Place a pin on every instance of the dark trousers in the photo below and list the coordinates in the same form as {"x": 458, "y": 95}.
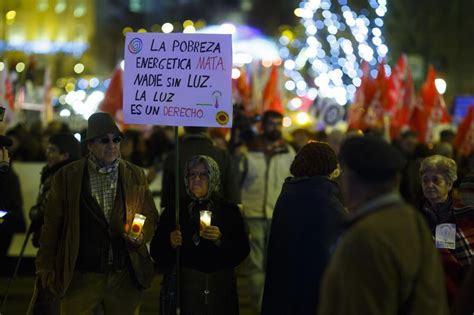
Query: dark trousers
{"x": 116, "y": 292}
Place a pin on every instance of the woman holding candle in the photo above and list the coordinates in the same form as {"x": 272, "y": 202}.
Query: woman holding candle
{"x": 212, "y": 240}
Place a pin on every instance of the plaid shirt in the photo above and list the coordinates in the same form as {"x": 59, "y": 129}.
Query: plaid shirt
{"x": 103, "y": 182}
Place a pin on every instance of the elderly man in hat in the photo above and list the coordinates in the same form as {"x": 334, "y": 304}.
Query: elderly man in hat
{"x": 385, "y": 262}
{"x": 87, "y": 255}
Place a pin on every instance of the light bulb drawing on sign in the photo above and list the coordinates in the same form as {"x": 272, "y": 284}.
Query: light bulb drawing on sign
{"x": 217, "y": 95}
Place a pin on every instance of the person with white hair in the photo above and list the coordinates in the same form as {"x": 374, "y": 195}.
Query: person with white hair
{"x": 451, "y": 221}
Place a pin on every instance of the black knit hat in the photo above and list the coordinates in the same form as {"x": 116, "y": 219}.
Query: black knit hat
{"x": 371, "y": 158}
{"x": 66, "y": 143}
{"x": 101, "y": 124}
{"x": 314, "y": 158}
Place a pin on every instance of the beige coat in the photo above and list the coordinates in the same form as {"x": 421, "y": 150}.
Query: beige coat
{"x": 59, "y": 243}
{"x": 385, "y": 264}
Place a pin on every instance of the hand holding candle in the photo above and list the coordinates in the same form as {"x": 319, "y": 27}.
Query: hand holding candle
{"x": 137, "y": 226}
{"x": 205, "y": 217}
{"x": 208, "y": 231}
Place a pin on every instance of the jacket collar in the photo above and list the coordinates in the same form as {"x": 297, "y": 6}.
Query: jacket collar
{"x": 376, "y": 204}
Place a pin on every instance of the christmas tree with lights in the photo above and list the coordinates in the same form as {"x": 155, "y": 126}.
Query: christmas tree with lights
{"x": 323, "y": 56}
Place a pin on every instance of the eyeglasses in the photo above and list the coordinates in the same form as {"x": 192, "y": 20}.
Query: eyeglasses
{"x": 106, "y": 140}
{"x": 200, "y": 175}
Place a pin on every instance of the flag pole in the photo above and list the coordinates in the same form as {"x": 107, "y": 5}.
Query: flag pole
{"x": 176, "y": 209}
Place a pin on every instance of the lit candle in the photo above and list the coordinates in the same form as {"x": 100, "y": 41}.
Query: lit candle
{"x": 205, "y": 216}
{"x": 137, "y": 225}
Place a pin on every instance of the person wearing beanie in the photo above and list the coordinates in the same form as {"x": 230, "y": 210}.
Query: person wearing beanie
{"x": 306, "y": 223}
{"x": 89, "y": 254}
{"x": 385, "y": 261}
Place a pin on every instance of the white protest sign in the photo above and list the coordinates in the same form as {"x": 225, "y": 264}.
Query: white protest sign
{"x": 178, "y": 79}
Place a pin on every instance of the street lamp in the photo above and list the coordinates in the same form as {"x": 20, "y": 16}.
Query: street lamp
{"x": 440, "y": 85}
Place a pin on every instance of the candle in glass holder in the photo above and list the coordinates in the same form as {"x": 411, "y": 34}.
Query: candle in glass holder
{"x": 205, "y": 217}
{"x": 137, "y": 225}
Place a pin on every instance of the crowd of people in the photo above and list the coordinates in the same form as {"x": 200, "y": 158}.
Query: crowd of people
{"x": 338, "y": 223}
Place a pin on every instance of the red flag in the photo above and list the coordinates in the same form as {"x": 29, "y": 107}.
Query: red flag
{"x": 405, "y": 101}
{"x": 395, "y": 88}
{"x": 271, "y": 93}
{"x": 113, "y": 98}
{"x": 431, "y": 109}
{"x": 374, "y": 116}
{"x": 464, "y": 141}
{"x": 244, "y": 89}
{"x": 363, "y": 95}
{"x": 9, "y": 96}
{"x": 428, "y": 89}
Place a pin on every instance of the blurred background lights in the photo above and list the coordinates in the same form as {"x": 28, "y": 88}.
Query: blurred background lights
{"x": 20, "y": 67}
{"x": 228, "y": 28}
{"x": 189, "y": 29}
{"x": 2, "y": 66}
{"x": 235, "y": 73}
{"x": 78, "y": 68}
{"x": 295, "y": 103}
{"x": 10, "y": 15}
{"x": 267, "y": 63}
{"x": 440, "y": 85}
{"x": 287, "y": 122}
{"x": 94, "y": 82}
{"x": 290, "y": 85}
{"x": 69, "y": 87}
{"x": 127, "y": 30}
{"x": 83, "y": 84}
{"x": 167, "y": 28}
{"x": 188, "y": 23}
{"x": 336, "y": 40}
{"x": 60, "y": 7}
{"x": 302, "y": 118}
{"x": 65, "y": 113}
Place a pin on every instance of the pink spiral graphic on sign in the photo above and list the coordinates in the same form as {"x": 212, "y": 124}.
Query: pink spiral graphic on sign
{"x": 135, "y": 45}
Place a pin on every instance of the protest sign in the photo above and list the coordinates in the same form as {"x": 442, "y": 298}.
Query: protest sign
{"x": 178, "y": 79}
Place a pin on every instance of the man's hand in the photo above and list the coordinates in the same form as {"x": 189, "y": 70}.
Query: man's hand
{"x": 176, "y": 239}
{"x": 133, "y": 242}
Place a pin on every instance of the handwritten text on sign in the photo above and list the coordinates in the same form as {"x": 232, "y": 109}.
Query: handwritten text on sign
{"x": 178, "y": 79}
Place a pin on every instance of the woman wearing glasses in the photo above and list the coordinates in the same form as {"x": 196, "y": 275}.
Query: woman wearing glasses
{"x": 212, "y": 241}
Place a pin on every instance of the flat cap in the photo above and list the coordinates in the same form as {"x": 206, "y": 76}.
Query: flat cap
{"x": 371, "y": 158}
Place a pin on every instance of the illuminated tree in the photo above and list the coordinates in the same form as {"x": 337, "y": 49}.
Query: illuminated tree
{"x": 324, "y": 57}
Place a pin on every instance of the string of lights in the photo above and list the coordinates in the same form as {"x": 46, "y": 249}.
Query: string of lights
{"x": 326, "y": 60}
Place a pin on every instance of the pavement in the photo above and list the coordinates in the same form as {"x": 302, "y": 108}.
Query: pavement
{"x": 22, "y": 289}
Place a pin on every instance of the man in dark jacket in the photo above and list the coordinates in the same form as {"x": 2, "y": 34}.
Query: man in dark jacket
{"x": 306, "y": 223}
{"x": 197, "y": 142}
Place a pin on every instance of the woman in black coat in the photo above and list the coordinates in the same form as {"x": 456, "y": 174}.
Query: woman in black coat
{"x": 208, "y": 253}
{"x": 306, "y": 223}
